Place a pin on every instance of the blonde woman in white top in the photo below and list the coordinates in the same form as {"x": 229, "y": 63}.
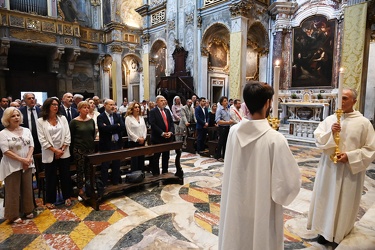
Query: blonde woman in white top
{"x": 137, "y": 131}
{"x": 16, "y": 166}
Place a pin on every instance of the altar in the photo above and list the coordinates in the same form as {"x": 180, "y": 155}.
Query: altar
{"x": 303, "y": 117}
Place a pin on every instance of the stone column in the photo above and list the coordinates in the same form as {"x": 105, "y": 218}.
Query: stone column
{"x": 105, "y": 84}
{"x": 96, "y": 15}
{"x": 146, "y": 66}
{"x": 202, "y": 73}
{"x": 116, "y": 74}
{"x": 238, "y": 44}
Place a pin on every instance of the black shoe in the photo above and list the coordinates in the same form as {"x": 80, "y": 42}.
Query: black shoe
{"x": 321, "y": 240}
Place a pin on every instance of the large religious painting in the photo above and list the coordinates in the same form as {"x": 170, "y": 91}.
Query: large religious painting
{"x": 313, "y": 52}
{"x": 218, "y": 53}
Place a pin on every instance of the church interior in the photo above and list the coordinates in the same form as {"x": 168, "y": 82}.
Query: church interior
{"x": 138, "y": 49}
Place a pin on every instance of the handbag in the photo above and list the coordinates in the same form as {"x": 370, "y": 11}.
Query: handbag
{"x": 135, "y": 177}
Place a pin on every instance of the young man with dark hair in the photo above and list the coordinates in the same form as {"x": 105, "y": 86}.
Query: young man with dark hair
{"x": 201, "y": 115}
{"x": 260, "y": 177}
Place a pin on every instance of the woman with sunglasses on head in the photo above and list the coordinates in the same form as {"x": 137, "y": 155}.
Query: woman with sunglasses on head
{"x": 17, "y": 166}
{"x": 137, "y": 131}
{"x": 54, "y": 137}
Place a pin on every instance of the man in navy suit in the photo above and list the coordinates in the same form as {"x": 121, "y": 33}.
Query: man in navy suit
{"x": 66, "y": 108}
{"x": 3, "y": 106}
{"x": 162, "y": 130}
{"x": 110, "y": 127}
{"x": 201, "y": 114}
{"x": 30, "y": 114}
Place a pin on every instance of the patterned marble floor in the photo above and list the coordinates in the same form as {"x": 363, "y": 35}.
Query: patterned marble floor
{"x": 177, "y": 216}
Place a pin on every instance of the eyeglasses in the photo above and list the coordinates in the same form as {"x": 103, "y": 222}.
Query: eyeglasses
{"x": 54, "y": 104}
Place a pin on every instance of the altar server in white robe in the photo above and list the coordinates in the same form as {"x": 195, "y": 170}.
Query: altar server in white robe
{"x": 338, "y": 187}
{"x": 260, "y": 176}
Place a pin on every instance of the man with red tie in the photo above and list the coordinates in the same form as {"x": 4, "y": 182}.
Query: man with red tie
{"x": 162, "y": 130}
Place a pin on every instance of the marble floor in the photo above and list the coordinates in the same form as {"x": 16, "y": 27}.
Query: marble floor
{"x": 177, "y": 216}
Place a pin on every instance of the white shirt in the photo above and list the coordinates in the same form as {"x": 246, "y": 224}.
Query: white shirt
{"x": 134, "y": 128}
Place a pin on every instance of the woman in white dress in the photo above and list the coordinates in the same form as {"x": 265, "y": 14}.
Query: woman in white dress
{"x": 17, "y": 166}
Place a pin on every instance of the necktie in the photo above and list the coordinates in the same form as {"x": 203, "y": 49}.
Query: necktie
{"x": 165, "y": 120}
{"x": 114, "y": 136}
{"x": 68, "y": 115}
{"x": 33, "y": 124}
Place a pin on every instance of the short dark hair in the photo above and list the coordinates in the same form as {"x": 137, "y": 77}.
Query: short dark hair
{"x": 47, "y": 105}
{"x": 256, "y": 94}
{"x": 236, "y": 101}
{"x": 222, "y": 99}
{"x": 202, "y": 98}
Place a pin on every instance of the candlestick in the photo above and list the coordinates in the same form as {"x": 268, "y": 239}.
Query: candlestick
{"x": 276, "y": 81}
{"x": 340, "y": 88}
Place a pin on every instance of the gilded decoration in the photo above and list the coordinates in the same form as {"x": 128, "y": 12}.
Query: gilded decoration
{"x": 95, "y": 2}
{"x": 88, "y": 45}
{"x": 32, "y": 36}
{"x": 68, "y": 30}
{"x": 146, "y": 38}
{"x": 68, "y": 41}
{"x": 204, "y": 51}
{"x": 33, "y": 24}
{"x": 116, "y": 49}
{"x": 199, "y": 21}
{"x": 48, "y": 27}
{"x": 17, "y": 21}
{"x": 240, "y": 9}
{"x": 189, "y": 18}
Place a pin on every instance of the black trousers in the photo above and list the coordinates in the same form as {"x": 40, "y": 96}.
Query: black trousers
{"x": 222, "y": 144}
{"x": 137, "y": 163}
{"x": 114, "y": 165}
{"x": 63, "y": 165}
{"x": 201, "y": 140}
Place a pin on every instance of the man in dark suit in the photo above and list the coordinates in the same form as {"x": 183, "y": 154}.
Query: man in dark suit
{"x": 162, "y": 130}
{"x": 110, "y": 127}
{"x": 201, "y": 114}
{"x": 30, "y": 114}
{"x": 3, "y": 106}
{"x": 66, "y": 108}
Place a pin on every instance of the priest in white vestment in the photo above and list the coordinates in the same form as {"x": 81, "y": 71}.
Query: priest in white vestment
{"x": 260, "y": 176}
{"x": 338, "y": 187}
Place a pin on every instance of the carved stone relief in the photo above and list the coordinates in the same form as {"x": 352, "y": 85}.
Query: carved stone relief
{"x": 189, "y": 45}
{"x": 82, "y": 82}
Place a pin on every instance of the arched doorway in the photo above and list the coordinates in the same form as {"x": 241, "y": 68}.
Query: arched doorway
{"x": 131, "y": 68}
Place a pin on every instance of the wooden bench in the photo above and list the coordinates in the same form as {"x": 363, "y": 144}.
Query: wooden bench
{"x": 98, "y": 158}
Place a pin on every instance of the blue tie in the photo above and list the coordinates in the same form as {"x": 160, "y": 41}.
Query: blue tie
{"x": 114, "y": 136}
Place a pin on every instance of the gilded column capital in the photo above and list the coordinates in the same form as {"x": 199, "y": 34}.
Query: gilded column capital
{"x": 116, "y": 48}
{"x": 95, "y": 2}
{"x": 241, "y": 8}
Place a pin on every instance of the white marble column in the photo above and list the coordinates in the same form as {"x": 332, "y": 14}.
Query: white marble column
{"x": 52, "y": 8}
{"x": 105, "y": 84}
{"x": 203, "y": 81}
{"x": 116, "y": 78}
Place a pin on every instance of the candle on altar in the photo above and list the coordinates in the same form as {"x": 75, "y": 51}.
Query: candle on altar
{"x": 340, "y": 88}
{"x": 276, "y": 81}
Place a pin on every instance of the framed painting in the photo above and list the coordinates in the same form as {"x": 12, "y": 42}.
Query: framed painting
{"x": 313, "y": 52}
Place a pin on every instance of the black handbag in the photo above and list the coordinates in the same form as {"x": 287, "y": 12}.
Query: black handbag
{"x": 135, "y": 177}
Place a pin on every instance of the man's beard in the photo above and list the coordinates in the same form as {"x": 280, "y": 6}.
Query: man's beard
{"x": 268, "y": 111}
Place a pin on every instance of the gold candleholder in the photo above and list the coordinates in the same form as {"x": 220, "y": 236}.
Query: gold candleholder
{"x": 274, "y": 123}
{"x": 336, "y": 137}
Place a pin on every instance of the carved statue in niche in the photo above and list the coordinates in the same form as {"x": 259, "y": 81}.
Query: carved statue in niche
{"x": 218, "y": 53}
{"x": 73, "y": 13}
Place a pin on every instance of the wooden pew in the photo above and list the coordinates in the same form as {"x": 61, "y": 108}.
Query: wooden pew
{"x": 98, "y": 158}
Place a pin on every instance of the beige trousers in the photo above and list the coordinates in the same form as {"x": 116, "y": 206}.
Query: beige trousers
{"x": 18, "y": 194}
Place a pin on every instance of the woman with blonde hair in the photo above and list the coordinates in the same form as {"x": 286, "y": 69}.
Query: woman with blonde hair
{"x": 137, "y": 131}
{"x": 176, "y": 115}
{"x": 82, "y": 130}
{"x": 54, "y": 137}
{"x": 17, "y": 166}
